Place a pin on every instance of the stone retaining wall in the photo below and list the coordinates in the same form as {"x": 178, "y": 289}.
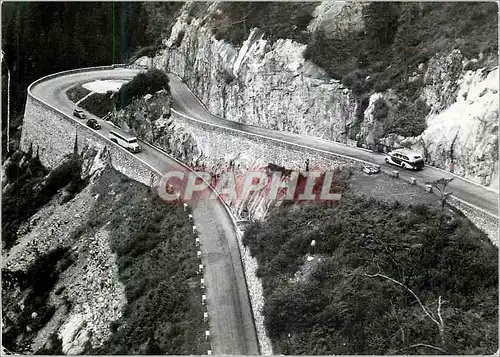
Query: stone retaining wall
{"x": 485, "y": 221}
{"x": 218, "y": 142}
{"x": 53, "y": 136}
{"x": 482, "y": 220}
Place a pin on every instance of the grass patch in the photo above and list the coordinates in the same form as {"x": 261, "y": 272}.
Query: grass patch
{"x": 76, "y": 93}
{"x": 335, "y": 308}
{"x": 163, "y": 312}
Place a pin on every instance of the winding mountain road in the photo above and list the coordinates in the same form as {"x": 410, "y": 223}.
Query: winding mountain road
{"x": 231, "y": 323}
{"x": 232, "y": 328}
{"x": 186, "y": 103}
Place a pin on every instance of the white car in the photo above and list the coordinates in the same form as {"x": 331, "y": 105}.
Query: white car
{"x": 127, "y": 141}
{"x": 407, "y": 159}
{"x": 370, "y": 170}
{"x": 79, "y": 113}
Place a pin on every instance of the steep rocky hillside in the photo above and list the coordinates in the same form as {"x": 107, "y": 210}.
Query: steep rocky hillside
{"x": 368, "y": 277}
{"x": 372, "y": 75}
{"x": 79, "y": 272}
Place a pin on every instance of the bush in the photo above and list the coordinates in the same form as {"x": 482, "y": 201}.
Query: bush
{"x": 409, "y": 119}
{"x": 335, "y": 308}
{"x": 98, "y": 104}
{"x": 356, "y": 82}
{"x": 142, "y": 84}
{"x": 76, "y": 93}
{"x": 381, "y": 85}
{"x": 337, "y": 56}
{"x": 178, "y": 40}
{"x": 380, "y": 109}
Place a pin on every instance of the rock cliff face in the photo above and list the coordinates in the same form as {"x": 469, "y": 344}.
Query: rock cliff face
{"x": 264, "y": 84}
{"x": 88, "y": 296}
{"x": 463, "y": 137}
{"x": 462, "y": 126}
{"x": 272, "y": 85}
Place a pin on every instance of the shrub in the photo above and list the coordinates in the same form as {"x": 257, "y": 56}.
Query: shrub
{"x": 356, "y": 82}
{"x": 76, "y": 93}
{"x": 381, "y": 85}
{"x": 335, "y": 308}
{"x": 99, "y": 104}
{"x": 409, "y": 118}
{"x": 380, "y": 109}
{"x": 178, "y": 40}
{"x": 142, "y": 84}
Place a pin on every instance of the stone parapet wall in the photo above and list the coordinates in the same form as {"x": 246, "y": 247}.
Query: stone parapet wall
{"x": 52, "y": 135}
{"x": 218, "y": 142}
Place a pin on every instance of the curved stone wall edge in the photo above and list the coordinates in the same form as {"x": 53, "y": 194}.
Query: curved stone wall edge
{"x": 39, "y": 128}
{"x": 273, "y": 140}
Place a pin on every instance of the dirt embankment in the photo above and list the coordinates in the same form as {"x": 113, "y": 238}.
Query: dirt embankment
{"x": 82, "y": 277}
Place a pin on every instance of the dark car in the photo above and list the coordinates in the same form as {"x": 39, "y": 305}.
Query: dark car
{"x": 93, "y": 124}
{"x": 79, "y": 113}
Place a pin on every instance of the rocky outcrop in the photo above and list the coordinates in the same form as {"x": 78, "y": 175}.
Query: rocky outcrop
{"x": 463, "y": 136}
{"x": 336, "y": 18}
{"x": 272, "y": 85}
{"x": 88, "y": 296}
{"x": 265, "y": 84}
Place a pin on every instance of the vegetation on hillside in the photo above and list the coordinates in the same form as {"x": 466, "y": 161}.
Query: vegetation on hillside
{"x": 276, "y": 19}
{"x": 35, "y": 285}
{"x": 163, "y": 312}
{"x": 76, "y": 93}
{"x": 99, "y": 104}
{"x": 391, "y": 280}
{"x": 396, "y": 39}
{"x": 142, "y": 84}
{"x": 31, "y": 186}
{"x": 40, "y": 38}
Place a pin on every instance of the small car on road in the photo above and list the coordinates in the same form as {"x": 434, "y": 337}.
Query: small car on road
{"x": 370, "y": 170}
{"x": 407, "y": 159}
{"x": 79, "y": 113}
{"x": 93, "y": 124}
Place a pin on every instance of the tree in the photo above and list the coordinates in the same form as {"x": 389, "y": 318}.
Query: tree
{"x": 441, "y": 185}
{"x": 381, "y": 22}
{"x": 434, "y": 317}
{"x": 407, "y": 36}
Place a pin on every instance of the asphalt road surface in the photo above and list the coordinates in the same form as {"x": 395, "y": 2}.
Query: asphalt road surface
{"x": 231, "y": 323}
{"x": 232, "y": 328}
{"x": 186, "y": 103}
